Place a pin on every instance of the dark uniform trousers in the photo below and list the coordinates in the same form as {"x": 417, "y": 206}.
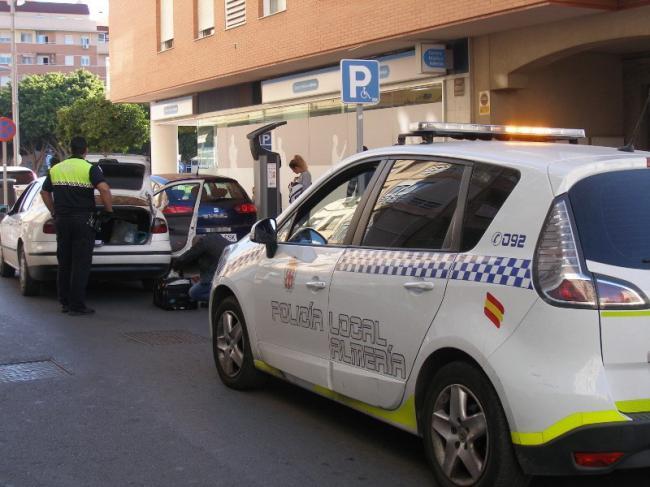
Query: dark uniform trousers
{"x": 75, "y": 242}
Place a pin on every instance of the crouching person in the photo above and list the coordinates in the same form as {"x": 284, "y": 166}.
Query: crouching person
{"x": 205, "y": 251}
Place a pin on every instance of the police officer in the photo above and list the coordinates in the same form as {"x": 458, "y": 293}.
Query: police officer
{"x": 69, "y": 194}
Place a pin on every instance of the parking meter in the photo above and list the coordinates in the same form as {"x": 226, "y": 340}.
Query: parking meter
{"x": 268, "y": 198}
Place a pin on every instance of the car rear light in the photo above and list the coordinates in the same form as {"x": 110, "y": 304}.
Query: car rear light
{"x": 49, "y": 227}
{"x": 178, "y": 210}
{"x": 597, "y": 460}
{"x": 617, "y": 294}
{"x": 159, "y": 226}
{"x": 246, "y": 208}
{"x": 559, "y": 274}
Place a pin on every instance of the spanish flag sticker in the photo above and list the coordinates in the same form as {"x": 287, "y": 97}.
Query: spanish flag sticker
{"x": 494, "y": 310}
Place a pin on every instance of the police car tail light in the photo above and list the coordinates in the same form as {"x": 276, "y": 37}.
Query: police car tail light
{"x": 159, "y": 226}
{"x": 616, "y": 294}
{"x": 49, "y": 228}
{"x": 559, "y": 274}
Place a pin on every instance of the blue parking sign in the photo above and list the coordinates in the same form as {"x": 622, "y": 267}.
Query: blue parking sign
{"x": 360, "y": 81}
{"x": 266, "y": 141}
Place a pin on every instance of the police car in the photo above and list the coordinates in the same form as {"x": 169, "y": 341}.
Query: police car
{"x": 489, "y": 295}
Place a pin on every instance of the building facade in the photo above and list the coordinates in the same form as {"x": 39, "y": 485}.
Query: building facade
{"x": 228, "y": 66}
{"x": 52, "y": 37}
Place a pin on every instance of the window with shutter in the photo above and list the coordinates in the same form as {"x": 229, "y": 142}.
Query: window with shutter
{"x": 166, "y": 24}
{"x": 205, "y": 18}
{"x": 235, "y": 13}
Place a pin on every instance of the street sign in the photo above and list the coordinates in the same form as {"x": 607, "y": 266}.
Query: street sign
{"x": 266, "y": 141}
{"x": 7, "y": 129}
{"x": 360, "y": 81}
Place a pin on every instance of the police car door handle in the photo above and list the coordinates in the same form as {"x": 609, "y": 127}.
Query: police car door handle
{"x": 419, "y": 286}
{"x": 316, "y": 285}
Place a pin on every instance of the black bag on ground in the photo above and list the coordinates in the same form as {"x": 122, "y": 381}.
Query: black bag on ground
{"x": 171, "y": 293}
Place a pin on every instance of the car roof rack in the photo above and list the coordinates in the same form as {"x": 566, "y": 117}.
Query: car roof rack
{"x": 427, "y": 131}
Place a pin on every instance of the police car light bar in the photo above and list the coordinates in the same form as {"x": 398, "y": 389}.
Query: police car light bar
{"x": 474, "y": 131}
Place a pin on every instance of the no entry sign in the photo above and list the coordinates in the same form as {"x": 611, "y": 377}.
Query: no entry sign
{"x": 7, "y": 129}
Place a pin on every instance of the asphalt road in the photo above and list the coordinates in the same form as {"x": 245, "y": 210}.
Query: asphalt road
{"x": 119, "y": 412}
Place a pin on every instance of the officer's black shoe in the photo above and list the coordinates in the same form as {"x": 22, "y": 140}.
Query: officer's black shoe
{"x": 65, "y": 308}
{"x": 82, "y": 311}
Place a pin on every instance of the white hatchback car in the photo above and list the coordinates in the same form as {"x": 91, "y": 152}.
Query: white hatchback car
{"x": 135, "y": 246}
{"x": 490, "y": 296}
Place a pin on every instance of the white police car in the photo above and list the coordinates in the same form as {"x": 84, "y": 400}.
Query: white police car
{"x": 490, "y": 296}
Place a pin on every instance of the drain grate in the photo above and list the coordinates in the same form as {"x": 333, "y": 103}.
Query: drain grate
{"x": 165, "y": 337}
{"x": 24, "y": 371}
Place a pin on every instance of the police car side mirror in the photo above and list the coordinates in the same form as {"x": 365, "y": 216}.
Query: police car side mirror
{"x": 266, "y": 232}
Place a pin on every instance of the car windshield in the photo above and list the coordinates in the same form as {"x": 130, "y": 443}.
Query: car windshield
{"x": 612, "y": 213}
{"x": 222, "y": 190}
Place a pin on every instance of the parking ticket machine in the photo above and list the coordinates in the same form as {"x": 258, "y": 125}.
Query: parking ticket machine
{"x": 268, "y": 198}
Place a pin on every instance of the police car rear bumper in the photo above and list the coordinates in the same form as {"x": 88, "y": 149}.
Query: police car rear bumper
{"x": 557, "y": 457}
{"x": 112, "y": 271}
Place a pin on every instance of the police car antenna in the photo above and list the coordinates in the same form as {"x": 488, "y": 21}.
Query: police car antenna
{"x": 629, "y": 147}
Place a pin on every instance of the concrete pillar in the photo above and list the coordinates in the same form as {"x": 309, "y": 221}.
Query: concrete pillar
{"x": 164, "y": 148}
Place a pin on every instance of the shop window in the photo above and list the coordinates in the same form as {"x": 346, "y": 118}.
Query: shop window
{"x": 166, "y": 24}
{"x": 204, "y": 18}
{"x": 235, "y": 13}
{"x": 270, "y": 7}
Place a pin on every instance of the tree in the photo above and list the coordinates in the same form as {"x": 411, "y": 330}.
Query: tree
{"x": 40, "y": 98}
{"x": 108, "y": 127}
{"x": 187, "y": 143}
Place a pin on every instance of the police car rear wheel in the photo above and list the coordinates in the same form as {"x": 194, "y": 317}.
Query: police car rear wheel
{"x": 466, "y": 434}
{"x": 28, "y": 286}
{"x": 231, "y": 347}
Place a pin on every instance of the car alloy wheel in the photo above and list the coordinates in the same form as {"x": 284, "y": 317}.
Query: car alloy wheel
{"x": 230, "y": 344}
{"x": 460, "y": 435}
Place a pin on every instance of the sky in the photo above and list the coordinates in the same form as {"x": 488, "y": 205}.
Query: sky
{"x": 98, "y": 8}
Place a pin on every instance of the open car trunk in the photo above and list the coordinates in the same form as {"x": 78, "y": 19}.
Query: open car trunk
{"x": 131, "y": 225}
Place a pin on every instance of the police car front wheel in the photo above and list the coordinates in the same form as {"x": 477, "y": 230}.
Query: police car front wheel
{"x": 231, "y": 347}
{"x": 466, "y": 434}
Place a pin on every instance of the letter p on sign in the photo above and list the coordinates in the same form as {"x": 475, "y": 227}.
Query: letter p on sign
{"x": 360, "y": 81}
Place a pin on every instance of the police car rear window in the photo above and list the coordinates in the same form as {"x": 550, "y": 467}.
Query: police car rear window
{"x": 489, "y": 188}
{"x": 612, "y": 213}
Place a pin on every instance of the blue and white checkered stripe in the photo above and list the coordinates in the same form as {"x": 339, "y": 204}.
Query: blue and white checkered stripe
{"x": 397, "y": 263}
{"x": 505, "y": 271}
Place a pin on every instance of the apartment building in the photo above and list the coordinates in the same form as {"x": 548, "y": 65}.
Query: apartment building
{"x": 228, "y": 66}
{"x": 52, "y": 37}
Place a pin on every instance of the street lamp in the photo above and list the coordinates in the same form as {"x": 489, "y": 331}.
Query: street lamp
{"x": 14, "y": 78}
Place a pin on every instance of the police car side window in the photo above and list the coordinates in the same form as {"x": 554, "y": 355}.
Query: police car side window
{"x": 488, "y": 189}
{"x": 330, "y": 211}
{"x": 415, "y": 206}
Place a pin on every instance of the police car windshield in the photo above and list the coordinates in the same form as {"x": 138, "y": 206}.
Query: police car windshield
{"x": 612, "y": 212}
